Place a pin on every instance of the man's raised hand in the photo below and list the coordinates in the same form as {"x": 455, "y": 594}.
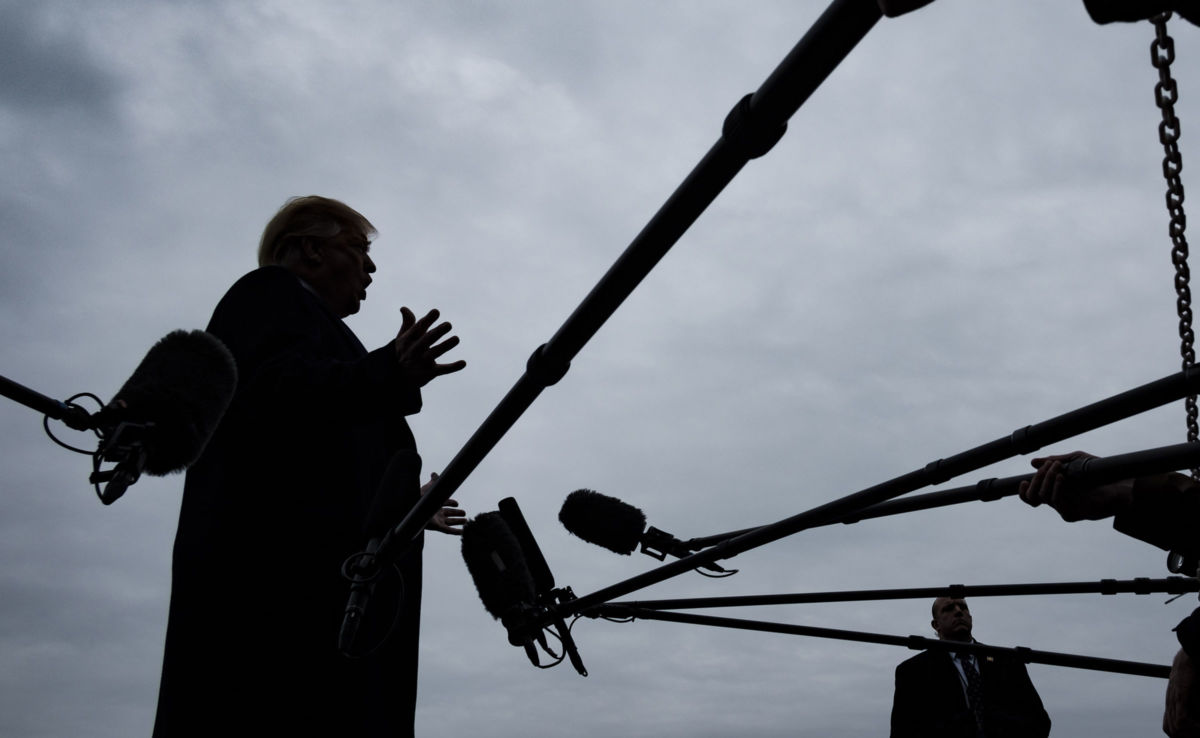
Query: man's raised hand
{"x": 417, "y": 347}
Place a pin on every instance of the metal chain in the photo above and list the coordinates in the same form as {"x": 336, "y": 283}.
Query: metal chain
{"x": 1166, "y": 93}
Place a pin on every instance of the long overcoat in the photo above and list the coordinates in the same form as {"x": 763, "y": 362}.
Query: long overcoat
{"x": 270, "y": 511}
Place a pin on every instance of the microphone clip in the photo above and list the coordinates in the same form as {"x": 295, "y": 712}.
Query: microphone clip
{"x": 527, "y": 624}
{"x": 659, "y": 544}
{"x": 126, "y": 446}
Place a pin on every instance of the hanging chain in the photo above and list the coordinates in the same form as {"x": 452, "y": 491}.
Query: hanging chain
{"x": 1166, "y": 93}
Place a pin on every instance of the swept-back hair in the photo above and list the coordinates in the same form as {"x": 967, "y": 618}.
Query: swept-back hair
{"x": 311, "y": 216}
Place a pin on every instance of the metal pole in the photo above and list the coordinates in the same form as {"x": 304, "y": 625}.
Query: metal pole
{"x": 73, "y": 415}
{"x": 1025, "y": 655}
{"x": 1085, "y": 471}
{"x": 1140, "y": 585}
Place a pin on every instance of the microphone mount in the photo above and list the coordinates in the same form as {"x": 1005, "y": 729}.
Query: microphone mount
{"x": 125, "y": 446}
{"x": 659, "y": 544}
{"x": 122, "y": 443}
{"x": 527, "y": 624}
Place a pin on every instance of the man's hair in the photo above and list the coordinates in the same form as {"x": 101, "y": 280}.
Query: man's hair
{"x": 312, "y": 216}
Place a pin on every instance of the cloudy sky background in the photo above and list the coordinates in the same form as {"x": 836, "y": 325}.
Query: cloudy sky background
{"x": 962, "y": 233}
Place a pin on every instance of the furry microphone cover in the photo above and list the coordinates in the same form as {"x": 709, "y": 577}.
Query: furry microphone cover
{"x": 183, "y": 386}
{"x": 603, "y": 520}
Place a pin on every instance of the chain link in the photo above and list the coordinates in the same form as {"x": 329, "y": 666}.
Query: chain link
{"x": 1166, "y": 94}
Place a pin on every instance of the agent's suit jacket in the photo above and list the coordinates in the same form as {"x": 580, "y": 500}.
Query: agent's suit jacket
{"x": 275, "y": 504}
{"x": 929, "y": 701}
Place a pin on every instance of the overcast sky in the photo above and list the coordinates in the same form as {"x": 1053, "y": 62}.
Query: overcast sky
{"x": 963, "y": 232}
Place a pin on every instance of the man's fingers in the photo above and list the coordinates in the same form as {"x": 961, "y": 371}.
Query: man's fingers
{"x": 411, "y": 328}
{"x": 441, "y": 369}
{"x": 419, "y": 338}
{"x": 423, "y": 324}
{"x": 423, "y": 343}
{"x": 443, "y": 347}
{"x": 1024, "y": 491}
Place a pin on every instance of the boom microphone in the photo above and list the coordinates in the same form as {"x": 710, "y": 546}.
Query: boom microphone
{"x": 160, "y": 421}
{"x": 620, "y": 527}
{"x": 179, "y": 393}
{"x": 515, "y": 582}
{"x": 603, "y": 520}
{"x": 497, "y": 565}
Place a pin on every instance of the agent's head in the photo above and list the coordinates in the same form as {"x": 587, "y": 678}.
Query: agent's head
{"x": 324, "y": 242}
{"x": 951, "y": 619}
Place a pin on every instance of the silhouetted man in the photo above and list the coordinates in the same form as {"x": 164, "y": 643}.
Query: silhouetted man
{"x": 281, "y": 497}
{"x": 956, "y": 695}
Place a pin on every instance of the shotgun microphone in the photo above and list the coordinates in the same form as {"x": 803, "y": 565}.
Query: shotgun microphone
{"x": 179, "y": 393}
{"x": 160, "y": 420}
{"x": 621, "y": 528}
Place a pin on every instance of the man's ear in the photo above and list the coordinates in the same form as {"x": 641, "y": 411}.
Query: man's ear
{"x": 310, "y": 251}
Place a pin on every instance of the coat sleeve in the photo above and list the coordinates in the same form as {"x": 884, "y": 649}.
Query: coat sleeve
{"x": 1017, "y": 710}
{"x": 906, "y": 711}
{"x": 920, "y": 708}
{"x": 273, "y": 328}
{"x": 1165, "y": 512}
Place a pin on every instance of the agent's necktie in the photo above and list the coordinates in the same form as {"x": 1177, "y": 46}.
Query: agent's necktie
{"x": 974, "y": 689}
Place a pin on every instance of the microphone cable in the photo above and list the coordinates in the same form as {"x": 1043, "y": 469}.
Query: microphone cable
{"x": 371, "y": 581}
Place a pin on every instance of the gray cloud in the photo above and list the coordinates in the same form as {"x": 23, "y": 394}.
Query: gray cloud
{"x": 962, "y": 233}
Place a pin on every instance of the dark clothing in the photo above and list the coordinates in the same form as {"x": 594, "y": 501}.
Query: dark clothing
{"x": 929, "y": 701}
{"x": 1164, "y": 513}
{"x": 271, "y": 509}
{"x": 1128, "y": 11}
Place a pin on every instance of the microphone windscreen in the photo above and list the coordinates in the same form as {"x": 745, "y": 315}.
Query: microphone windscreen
{"x": 603, "y": 520}
{"x": 497, "y": 564}
{"x": 183, "y": 387}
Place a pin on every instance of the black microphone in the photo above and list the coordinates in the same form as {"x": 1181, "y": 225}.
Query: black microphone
{"x": 603, "y": 520}
{"x": 164, "y": 415}
{"x": 514, "y": 581}
{"x": 620, "y": 527}
{"x": 496, "y": 562}
{"x": 179, "y": 392}
{"x": 160, "y": 420}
